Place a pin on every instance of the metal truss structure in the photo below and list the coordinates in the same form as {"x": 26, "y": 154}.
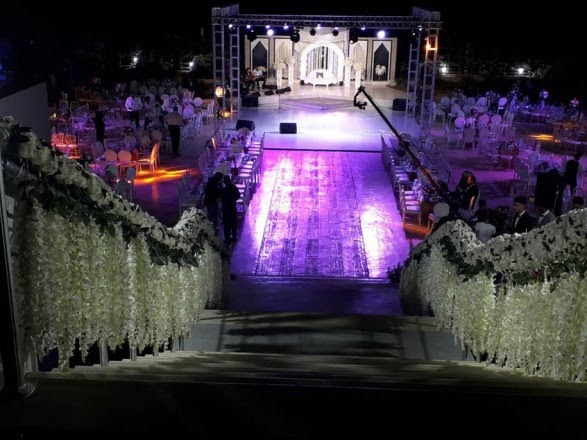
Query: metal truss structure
{"x": 227, "y": 21}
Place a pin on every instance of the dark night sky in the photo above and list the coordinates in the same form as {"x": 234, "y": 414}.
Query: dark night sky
{"x": 497, "y": 30}
{"x": 498, "y": 26}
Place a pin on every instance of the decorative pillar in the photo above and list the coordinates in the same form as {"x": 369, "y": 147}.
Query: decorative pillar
{"x": 279, "y": 74}
{"x": 348, "y": 64}
{"x": 290, "y": 71}
{"x": 358, "y": 73}
{"x": 278, "y": 77}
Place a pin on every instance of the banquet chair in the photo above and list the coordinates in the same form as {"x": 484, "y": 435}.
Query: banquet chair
{"x": 152, "y": 161}
{"x": 110, "y": 158}
{"x": 501, "y": 103}
{"x": 125, "y": 160}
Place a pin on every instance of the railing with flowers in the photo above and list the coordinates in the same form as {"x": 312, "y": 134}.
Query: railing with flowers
{"x": 92, "y": 267}
{"x": 520, "y": 300}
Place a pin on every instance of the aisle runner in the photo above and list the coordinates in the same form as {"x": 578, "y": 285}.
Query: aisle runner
{"x": 313, "y": 226}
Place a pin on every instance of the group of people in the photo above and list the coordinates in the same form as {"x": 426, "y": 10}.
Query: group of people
{"x": 254, "y": 78}
{"x": 171, "y": 115}
{"x": 464, "y": 203}
{"x": 220, "y": 200}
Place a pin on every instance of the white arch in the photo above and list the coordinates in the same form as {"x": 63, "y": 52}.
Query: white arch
{"x": 339, "y": 65}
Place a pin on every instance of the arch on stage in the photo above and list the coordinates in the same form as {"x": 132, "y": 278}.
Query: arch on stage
{"x": 322, "y": 61}
{"x": 327, "y": 50}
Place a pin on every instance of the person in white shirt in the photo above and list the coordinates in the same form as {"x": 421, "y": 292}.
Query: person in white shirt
{"x": 259, "y": 77}
{"x": 174, "y": 122}
{"x": 133, "y": 105}
{"x": 483, "y": 229}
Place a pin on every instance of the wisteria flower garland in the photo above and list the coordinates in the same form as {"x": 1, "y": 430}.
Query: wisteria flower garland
{"x": 93, "y": 267}
{"x": 520, "y": 299}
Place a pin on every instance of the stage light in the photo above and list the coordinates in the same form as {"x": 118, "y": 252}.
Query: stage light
{"x": 312, "y": 32}
{"x": 381, "y": 34}
{"x": 295, "y": 36}
{"x": 335, "y": 31}
{"x": 353, "y": 35}
{"x": 270, "y": 32}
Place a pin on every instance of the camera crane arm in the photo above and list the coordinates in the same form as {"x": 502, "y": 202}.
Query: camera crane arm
{"x": 405, "y": 145}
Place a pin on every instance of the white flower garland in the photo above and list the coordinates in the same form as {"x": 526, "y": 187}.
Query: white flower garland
{"x": 539, "y": 327}
{"x": 78, "y": 284}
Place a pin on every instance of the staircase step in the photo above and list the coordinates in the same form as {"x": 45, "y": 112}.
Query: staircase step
{"x": 313, "y": 370}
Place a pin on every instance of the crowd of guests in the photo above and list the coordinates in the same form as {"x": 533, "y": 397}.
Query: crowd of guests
{"x": 526, "y": 214}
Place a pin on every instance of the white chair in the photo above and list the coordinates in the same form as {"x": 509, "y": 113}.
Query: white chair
{"x": 125, "y": 160}
{"x": 468, "y": 139}
{"x": 501, "y": 103}
{"x": 152, "y": 161}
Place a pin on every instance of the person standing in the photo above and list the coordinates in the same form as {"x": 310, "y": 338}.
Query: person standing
{"x": 484, "y": 230}
{"x": 133, "y": 106}
{"x": 545, "y": 215}
{"x": 174, "y": 123}
{"x": 229, "y": 194}
{"x": 571, "y": 172}
{"x": 211, "y": 196}
{"x": 523, "y": 221}
{"x": 99, "y": 126}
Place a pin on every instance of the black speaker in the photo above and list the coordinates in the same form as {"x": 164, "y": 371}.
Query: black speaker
{"x": 284, "y": 90}
{"x": 399, "y": 104}
{"x": 250, "y": 101}
{"x": 269, "y": 93}
{"x": 245, "y": 123}
{"x": 288, "y": 127}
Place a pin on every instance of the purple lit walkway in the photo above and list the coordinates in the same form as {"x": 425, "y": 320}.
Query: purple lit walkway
{"x": 317, "y": 213}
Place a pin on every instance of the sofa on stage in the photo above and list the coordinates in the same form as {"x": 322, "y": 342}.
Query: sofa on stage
{"x": 320, "y": 77}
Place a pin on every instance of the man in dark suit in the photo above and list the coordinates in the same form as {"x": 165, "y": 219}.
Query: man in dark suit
{"x": 229, "y": 194}
{"x": 523, "y": 221}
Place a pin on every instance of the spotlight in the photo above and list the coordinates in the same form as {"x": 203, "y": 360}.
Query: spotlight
{"x": 353, "y": 35}
{"x": 295, "y": 36}
{"x": 335, "y": 32}
{"x": 312, "y": 32}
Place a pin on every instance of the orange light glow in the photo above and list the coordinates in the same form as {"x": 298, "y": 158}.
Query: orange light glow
{"x": 543, "y": 137}
{"x": 162, "y": 174}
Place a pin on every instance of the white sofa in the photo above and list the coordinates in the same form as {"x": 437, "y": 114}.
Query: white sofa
{"x": 320, "y": 77}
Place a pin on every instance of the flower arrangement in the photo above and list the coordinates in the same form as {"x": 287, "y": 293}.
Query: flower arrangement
{"x": 380, "y": 70}
{"x": 93, "y": 267}
{"x": 519, "y": 299}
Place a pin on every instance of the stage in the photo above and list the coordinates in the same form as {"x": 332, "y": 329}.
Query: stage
{"x": 327, "y": 119}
